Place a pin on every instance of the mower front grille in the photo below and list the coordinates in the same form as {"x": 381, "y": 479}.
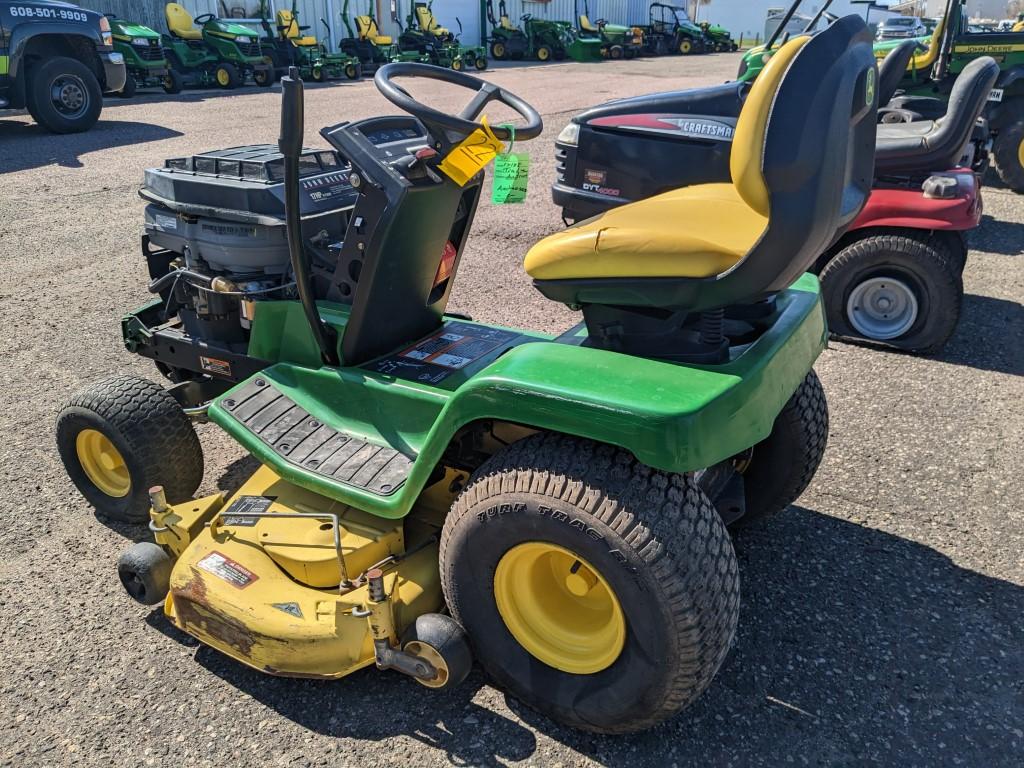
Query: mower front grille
{"x": 152, "y": 52}
{"x": 250, "y": 49}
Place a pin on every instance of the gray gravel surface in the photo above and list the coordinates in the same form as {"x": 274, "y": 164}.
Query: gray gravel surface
{"x": 881, "y": 618}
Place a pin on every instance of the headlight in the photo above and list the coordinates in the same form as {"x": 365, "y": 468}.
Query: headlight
{"x": 765, "y": 56}
{"x": 242, "y": 39}
{"x": 570, "y": 135}
{"x": 105, "y": 34}
{"x": 143, "y": 41}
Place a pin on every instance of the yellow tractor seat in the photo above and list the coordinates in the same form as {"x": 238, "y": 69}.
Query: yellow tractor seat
{"x": 697, "y": 231}
{"x": 180, "y": 22}
{"x": 428, "y": 23}
{"x": 366, "y": 26}
{"x": 586, "y": 25}
{"x": 711, "y": 246}
{"x": 289, "y": 27}
{"x": 506, "y": 23}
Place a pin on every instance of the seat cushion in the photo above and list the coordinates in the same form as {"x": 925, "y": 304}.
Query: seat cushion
{"x": 305, "y": 41}
{"x": 904, "y": 138}
{"x": 698, "y": 231}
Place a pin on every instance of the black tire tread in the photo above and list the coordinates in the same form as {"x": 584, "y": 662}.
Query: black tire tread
{"x": 1005, "y": 158}
{"x": 665, "y": 518}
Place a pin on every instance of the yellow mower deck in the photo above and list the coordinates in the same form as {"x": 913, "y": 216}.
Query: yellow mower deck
{"x": 260, "y": 578}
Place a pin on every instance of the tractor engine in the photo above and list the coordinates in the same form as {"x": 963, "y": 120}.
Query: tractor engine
{"x": 216, "y": 243}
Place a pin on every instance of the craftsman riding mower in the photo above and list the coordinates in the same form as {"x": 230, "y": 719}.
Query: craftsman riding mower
{"x": 287, "y": 46}
{"x": 566, "y": 497}
{"x": 143, "y": 56}
{"x": 538, "y": 39}
{"x": 365, "y": 43}
{"x": 216, "y": 52}
{"x": 616, "y": 41}
{"x": 423, "y": 37}
{"x": 894, "y": 278}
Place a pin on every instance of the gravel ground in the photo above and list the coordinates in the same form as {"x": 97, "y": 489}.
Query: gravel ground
{"x": 881, "y": 618}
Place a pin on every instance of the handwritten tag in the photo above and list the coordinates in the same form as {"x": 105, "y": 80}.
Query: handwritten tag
{"x": 471, "y": 155}
{"x": 510, "y": 176}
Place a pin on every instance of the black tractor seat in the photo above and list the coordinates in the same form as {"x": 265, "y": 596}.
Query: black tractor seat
{"x": 937, "y": 145}
{"x": 893, "y": 69}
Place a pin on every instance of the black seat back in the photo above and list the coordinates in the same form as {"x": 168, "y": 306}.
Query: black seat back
{"x": 906, "y": 148}
{"x": 893, "y": 69}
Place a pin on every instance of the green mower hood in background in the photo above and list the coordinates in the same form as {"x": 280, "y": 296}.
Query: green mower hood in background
{"x": 229, "y": 29}
{"x": 126, "y": 30}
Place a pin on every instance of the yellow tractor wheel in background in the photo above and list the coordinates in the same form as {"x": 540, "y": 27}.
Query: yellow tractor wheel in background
{"x": 543, "y": 53}
{"x": 686, "y": 46}
{"x": 498, "y": 51}
{"x": 457, "y": 65}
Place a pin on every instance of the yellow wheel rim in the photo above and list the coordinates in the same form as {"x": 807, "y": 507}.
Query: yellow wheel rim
{"x": 424, "y": 651}
{"x": 499, "y": 50}
{"x": 457, "y": 65}
{"x": 103, "y": 463}
{"x": 559, "y": 608}
{"x": 684, "y": 47}
{"x": 1020, "y": 152}
{"x": 542, "y": 54}
{"x": 223, "y": 78}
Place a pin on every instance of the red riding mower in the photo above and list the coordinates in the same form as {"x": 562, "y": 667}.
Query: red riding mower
{"x": 894, "y": 277}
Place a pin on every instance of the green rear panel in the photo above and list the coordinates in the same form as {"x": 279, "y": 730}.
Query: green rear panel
{"x": 670, "y": 416}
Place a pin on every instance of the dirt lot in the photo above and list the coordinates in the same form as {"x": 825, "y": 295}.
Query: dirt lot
{"x": 882, "y": 615}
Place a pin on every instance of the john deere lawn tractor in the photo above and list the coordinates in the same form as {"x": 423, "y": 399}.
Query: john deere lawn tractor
{"x": 208, "y": 51}
{"x": 616, "y": 40}
{"x": 143, "y": 56}
{"x": 538, "y": 39}
{"x": 364, "y": 41}
{"x": 670, "y": 30}
{"x": 423, "y": 34}
{"x": 564, "y": 497}
{"x": 287, "y": 45}
{"x": 719, "y": 38}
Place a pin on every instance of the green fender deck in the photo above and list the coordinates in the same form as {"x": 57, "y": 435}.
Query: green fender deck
{"x": 670, "y": 416}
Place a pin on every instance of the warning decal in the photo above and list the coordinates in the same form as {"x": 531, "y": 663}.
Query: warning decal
{"x": 225, "y": 568}
{"x": 451, "y": 349}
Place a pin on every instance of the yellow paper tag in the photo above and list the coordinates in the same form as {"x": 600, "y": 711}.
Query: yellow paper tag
{"x": 470, "y": 155}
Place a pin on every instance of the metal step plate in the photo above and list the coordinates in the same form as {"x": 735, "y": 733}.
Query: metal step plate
{"x": 307, "y": 443}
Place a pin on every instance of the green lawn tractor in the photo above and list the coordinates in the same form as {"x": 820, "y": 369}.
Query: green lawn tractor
{"x": 287, "y": 45}
{"x": 364, "y": 41}
{"x": 423, "y": 36}
{"x": 756, "y": 58}
{"x": 538, "y": 39}
{"x": 670, "y": 30}
{"x": 435, "y": 489}
{"x": 143, "y": 56}
{"x": 616, "y": 41}
{"x": 931, "y": 74}
{"x": 719, "y": 38}
{"x": 208, "y": 51}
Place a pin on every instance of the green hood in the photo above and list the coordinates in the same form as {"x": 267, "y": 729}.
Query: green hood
{"x": 882, "y": 49}
{"x": 227, "y": 28}
{"x": 127, "y": 29}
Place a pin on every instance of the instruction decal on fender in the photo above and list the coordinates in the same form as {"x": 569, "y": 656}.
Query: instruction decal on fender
{"x": 471, "y": 155}
{"x": 236, "y": 514}
{"x": 213, "y": 365}
{"x": 225, "y": 568}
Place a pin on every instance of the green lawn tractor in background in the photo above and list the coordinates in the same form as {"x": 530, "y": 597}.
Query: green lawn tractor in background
{"x": 538, "y": 39}
{"x": 208, "y": 51}
{"x": 670, "y": 30}
{"x": 719, "y": 38}
{"x": 364, "y": 41}
{"x": 287, "y": 45}
{"x": 931, "y": 74}
{"x": 755, "y": 58}
{"x": 143, "y": 56}
{"x": 423, "y": 36}
{"x": 617, "y": 41}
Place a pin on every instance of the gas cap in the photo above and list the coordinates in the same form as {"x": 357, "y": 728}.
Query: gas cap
{"x": 941, "y": 187}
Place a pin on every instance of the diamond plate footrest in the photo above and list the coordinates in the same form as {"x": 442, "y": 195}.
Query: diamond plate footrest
{"x": 307, "y": 443}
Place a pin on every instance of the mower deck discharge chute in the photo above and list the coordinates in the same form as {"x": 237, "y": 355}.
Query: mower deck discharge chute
{"x": 566, "y": 497}
{"x": 207, "y": 51}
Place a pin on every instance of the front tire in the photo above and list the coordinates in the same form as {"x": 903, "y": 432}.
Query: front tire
{"x": 498, "y": 51}
{"x": 616, "y": 52}
{"x": 902, "y": 289}
{"x": 264, "y": 78}
{"x": 780, "y": 467}
{"x": 353, "y": 70}
{"x": 173, "y": 82}
{"x": 145, "y": 572}
{"x": 123, "y": 435}
{"x": 130, "y": 88}
{"x": 685, "y": 46}
{"x": 595, "y": 589}
{"x": 64, "y": 96}
{"x": 227, "y": 76}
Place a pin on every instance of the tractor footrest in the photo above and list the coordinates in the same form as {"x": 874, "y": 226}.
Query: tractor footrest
{"x": 305, "y": 442}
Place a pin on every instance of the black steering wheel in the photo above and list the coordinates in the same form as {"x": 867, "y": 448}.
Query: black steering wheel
{"x": 465, "y": 122}
{"x": 204, "y": 18}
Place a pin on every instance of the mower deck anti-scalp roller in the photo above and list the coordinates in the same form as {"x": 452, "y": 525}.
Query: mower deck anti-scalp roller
{"x": 434, "y": 490}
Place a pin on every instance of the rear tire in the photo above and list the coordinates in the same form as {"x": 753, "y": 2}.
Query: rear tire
{"x": 686, "y": 46}
{"x": 1008, "y": 149}
{"x": 64, "y": 96}
{"x": 616, "y": 52}
{"x": 924, "y": 287}
{"x": 121, "y": 436}
{"x": 782, "y": 465}
{"x": 650, "y": 552}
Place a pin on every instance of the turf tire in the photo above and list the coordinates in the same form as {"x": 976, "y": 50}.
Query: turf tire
{"x": 148, "y": 428}
{"x": 1006, "y": 148}
{"x": 782, "y": 465}
{"x": 173, "y": 82}
{"x": 927, "y": 264}
{"x": 654, "y": 537}
{"x": 130, "y": 88}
